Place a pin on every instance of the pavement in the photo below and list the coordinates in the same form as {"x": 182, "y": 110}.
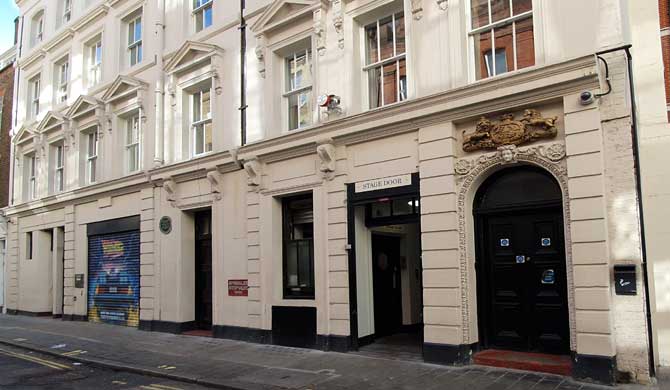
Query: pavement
{"x": 30, "y": 370}
{"x": 238, "y": 365}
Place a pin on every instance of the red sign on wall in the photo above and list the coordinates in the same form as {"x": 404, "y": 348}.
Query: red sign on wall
{"x": 238, "y": 287}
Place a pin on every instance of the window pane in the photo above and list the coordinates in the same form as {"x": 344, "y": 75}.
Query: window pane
{"x": 131, "y": 35}
{"x": 293, "y": 112}
{"x": 374, "y": 87}
{"x": 303, "y": 73}
{"x": 520, "y": 6}
{"x": 91, "y": 170}
{"x": 305, "y": 263}
{"x": 403, "y": 79}
{"x": 504, "y": 45}
{"x": 525, "y": 44}
{"x": 499, "y": 10}
{"x": 208, "y": 16}
{"x": 208, "y": 137}
{"x": 381, "y": 209}
{"x": 199, "y": 22}
{"x": 132, "y": 158}
{"x": 390, "y": 83}
{"x": 482, "y": 43}
{"x": 479, "y": 10}
{"x": 399, "y": 33}
{"x": 386, "y": 38}
{"x": 133, "y": 56}
{"x": 199, "y": 139}
{"x": 139, "y": 53}
{"x": 402, "y": 206}
{"x": 371, "y": 45}
{"x": 206, "y": 104}
{"x": 138, "y": 30}
{"x": 197, "y": 107}
{"x": 291, "y": 264}
{"x": 305, "y": 106}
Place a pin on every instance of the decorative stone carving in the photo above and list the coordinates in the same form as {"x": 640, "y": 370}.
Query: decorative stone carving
{"x": 253, "y": 170}
{"x": 338, "y": 21}
{"x": 170, "y": 188}
{"x": 260, "y": 54}
{"x": 326, "y": 153}
{"x": 508, "y": 131}
{"x": 214, "y": 179}
{"x": 443, "y": 4}
{"x": 550, "y": 157}
{"x": 417, "y": 9}
{"x": 320, "y": 31}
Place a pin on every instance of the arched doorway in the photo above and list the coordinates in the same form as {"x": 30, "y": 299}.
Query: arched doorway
{"x": 521, "y": 265}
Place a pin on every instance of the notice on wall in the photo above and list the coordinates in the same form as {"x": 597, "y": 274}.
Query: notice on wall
{"x": 383, "y": 183}
{"x": 238, "y": 287}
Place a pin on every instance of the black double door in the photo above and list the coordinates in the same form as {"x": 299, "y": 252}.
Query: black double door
{"x": 522, "y": 281}
{"x": 203, "y": 270}
{"x": 386, "y": 284}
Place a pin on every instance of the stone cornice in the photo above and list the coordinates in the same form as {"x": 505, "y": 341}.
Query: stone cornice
{"x": 513, "y": 90}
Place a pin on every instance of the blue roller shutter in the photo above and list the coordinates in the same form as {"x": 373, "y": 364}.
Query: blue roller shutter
{"x": 114, "y": 278}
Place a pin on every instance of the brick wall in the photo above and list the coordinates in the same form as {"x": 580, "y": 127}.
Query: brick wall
{"x": 6, "y": 94}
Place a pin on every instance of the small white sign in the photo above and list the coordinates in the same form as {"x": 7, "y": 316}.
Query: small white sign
{"x": 383, "y": 183}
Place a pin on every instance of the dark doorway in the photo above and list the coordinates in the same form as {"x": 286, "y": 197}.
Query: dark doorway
{"x": 203, "y": 270}
{"x": 386, "y": 284}
{"x": 521, "y": 271}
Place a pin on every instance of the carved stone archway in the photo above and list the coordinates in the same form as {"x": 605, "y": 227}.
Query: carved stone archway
{"x": 470, "y": 172}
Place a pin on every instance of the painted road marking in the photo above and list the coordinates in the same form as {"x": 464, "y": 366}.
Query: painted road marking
{"x": 165, "y": 387}
{"x": 119, "y": 383}
{"x": 20, "y": 339}
{"x": 75, "y": 352}
{"x": 155, "y": 386}
{"x": 35, "y": 359}
{"x": 166, "y": 367}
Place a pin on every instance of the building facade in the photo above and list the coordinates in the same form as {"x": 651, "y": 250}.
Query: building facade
{"x": 458, "y": 172}
{"x": 7, "y": 60}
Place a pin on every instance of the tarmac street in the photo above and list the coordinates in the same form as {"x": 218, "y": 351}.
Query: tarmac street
{"x": 21, "y": 369}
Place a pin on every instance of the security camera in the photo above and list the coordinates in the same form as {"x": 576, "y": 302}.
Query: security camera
{"x": 586, "y": 98}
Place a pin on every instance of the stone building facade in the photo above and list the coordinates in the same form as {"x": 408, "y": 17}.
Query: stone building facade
{"x": 458, "y": 171}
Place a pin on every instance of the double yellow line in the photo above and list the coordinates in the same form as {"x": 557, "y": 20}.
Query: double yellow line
{"x": 34, "y": 359}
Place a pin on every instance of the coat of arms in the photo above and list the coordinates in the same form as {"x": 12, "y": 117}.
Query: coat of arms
{"x": 508, "y": 131}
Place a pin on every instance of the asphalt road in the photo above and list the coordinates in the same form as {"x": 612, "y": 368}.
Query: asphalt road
{"x": 20, "y": 369}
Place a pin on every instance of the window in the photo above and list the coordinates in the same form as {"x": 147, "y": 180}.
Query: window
{"x": 299, "y": 89}
{"x": 91, "y": 156}
{"x": 202, "y": 12}
{"x": 385, "y": 66}
{"x": 201, "y": 125}
{"x": 34, "y": 108}
{"x": 38, "y": 28}
{"x": 94, "y": 59}
{"x": 32, "y": 177}
{"x": 29, "y": 246}
{"x": 59, "y": 163}
{"x": 133, "y": 143}
{"x": 503, "y": 27}
{"x": 135, "y": 40}
{"x": 67, "y": 10}
{"x": 298, "y": 232}
{"x": 63, "y": 78}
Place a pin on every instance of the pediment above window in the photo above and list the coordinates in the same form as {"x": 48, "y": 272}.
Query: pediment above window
{"x": 190, "y": 55}
{"x": 283, "y": 12}
{"x": 123, "y": 87}
{"x": 51, "y": 121}
{"x": 84, "y": 105}
{"x": 23, "y": 136}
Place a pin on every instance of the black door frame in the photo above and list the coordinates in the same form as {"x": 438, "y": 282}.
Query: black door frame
{"x": 199, "y": 315}
{"x": 480, "y": 215}
{"x": 358, "y": 199}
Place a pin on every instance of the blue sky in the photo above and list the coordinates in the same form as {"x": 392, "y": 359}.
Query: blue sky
{"x": 8, "y": 12}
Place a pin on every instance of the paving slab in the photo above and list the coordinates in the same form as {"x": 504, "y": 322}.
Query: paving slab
{"x": 238, "y": 365}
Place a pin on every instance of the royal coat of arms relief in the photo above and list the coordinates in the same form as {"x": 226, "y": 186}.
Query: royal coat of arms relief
{"x": 508, "y": 131}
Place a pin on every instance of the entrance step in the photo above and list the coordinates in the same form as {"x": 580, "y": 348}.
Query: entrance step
{"x": 540, "y": 362}
{"x": 199, "y": 332}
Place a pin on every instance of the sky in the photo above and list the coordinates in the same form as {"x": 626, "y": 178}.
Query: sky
{"x": 8, "y": 12}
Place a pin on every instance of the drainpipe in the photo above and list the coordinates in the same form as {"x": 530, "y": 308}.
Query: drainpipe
{"x": 638, "y": 190}
{"x": 18, "y": 30}
{"x": 243, "y": 76}
{"x": 159, "y": 134}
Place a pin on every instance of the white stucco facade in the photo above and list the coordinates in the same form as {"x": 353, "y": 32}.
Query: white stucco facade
{"x": 590, "y": 157}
